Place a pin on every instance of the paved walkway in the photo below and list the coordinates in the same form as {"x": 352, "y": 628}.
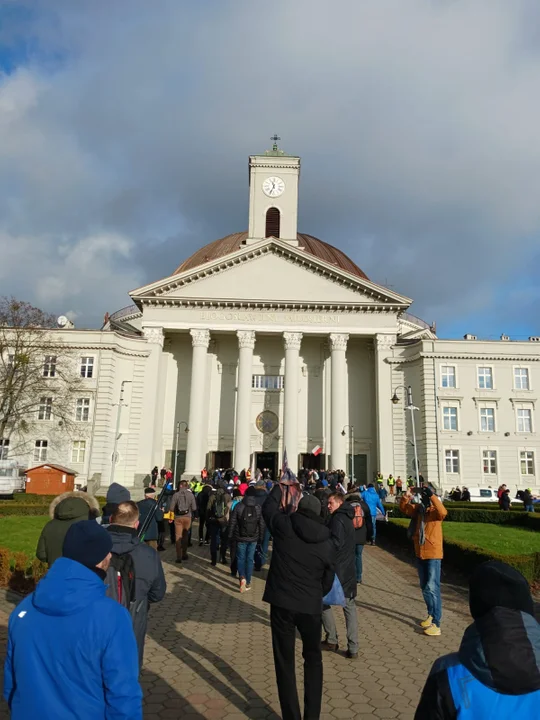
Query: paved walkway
{"x": 209, "y": 652}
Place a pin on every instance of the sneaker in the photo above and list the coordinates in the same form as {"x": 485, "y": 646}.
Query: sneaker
{"x": 248, "y": 587}
{"x": 207, "y": 542}
{"x": 427, "y": 622}
{"x": 432, "y": 631}
{"x": 200, "y": 543}
{"x": 242, "y": 585}
{"x": 351, "y": 656}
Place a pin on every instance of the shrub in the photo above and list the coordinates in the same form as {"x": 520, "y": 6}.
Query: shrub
{"x": 530, "y": 521}
{"x": 23, "y": 510}
{"x": 19, "y": 572}
{"x": 32, "y": 499}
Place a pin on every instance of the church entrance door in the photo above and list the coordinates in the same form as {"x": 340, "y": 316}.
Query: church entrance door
{"x": 220, "y": 460}
{"x": 268, "y": 460}
{"x": 313, "y": 462}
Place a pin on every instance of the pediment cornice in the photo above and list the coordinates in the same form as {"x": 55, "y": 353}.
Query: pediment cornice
{"x": 217, "y": 304}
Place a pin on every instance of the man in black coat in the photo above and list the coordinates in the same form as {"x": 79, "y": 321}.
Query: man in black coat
{"x": 147, "y": 506}
{"x": 301, "y": 573}
{"x": 342, "y": 531}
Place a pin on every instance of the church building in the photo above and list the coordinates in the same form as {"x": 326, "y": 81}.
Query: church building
{"x": 268, "y": 340}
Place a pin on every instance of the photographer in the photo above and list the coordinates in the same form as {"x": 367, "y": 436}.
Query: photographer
{"x": 427, "y": 513}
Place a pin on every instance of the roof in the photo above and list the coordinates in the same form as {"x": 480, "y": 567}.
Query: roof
{"x": 61, "y": 468}
{"x": 231, "y": 243}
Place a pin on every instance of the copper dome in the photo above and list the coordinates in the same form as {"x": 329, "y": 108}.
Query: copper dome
{"x": 231, "y": 243}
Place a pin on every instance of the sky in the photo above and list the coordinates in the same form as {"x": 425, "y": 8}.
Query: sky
{"x": 125, "y": 131}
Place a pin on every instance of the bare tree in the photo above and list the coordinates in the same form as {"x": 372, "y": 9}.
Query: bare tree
{"x": 38, "y": 377}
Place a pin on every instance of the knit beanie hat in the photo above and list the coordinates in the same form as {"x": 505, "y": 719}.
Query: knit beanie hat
{"x": 118, "y": 494}
{"x": 310, "y": 502}
{"x": 87, "y": 543}
{"x": 496, "y": 584}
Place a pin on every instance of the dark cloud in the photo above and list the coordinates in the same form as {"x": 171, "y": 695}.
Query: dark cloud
{"x": 125, "y": 129}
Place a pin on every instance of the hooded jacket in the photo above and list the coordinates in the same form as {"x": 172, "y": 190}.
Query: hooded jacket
{"x": 432, "y": 549}
{"x": 71, "y": 651}
{"x": 494, "y": 676}
{"x": 365, "y": 533}
{"x": 303, "y": 558}
{"x": 342, "y": 532}
{"x": 150, "y": 585}
{"x": 373, "y": 501}
{"x": 235, "y": 521}
{"x": 64, "y": 510}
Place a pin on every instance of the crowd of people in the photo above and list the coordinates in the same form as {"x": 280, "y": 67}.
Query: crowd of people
{"x": 88, "y": 617}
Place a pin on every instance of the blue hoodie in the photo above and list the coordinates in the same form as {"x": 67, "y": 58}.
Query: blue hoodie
{"x": 373, "y": 501}
{"x": 71, "y": 651}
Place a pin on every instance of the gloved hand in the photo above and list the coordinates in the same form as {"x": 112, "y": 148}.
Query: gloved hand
{"x": 427, "y": 492}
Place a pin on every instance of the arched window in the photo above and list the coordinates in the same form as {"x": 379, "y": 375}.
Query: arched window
{"x": 273, "y": 220}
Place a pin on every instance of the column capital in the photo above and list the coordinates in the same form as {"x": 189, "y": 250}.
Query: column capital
{"x": 154, "y": 334}
{"x": 292, "y": 340}
{"x": 384, "y": 341}
{"x": 246, "y": 339}
{"x": 200, "y": 338}
{"x": 338, "y": 341}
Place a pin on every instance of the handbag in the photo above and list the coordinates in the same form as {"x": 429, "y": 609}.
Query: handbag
{"x": 336, "y": 596}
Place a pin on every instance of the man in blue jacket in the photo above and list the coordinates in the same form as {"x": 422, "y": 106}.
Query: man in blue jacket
{"x": 71, "y": 650}
{"x": 496, "y": 672}
{"x": 373, "y": 501}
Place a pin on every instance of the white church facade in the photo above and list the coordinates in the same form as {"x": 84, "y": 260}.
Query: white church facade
{"x": 270, "y": 339}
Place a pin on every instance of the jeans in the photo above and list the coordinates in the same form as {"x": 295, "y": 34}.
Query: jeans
{"x": 262, "y": 553}
{"x": 218, "y": 541}
{"x": 374, "y": 521}
{"x": 245, "y": 555}
{"x": 351, "y": 622}
{"x": 429, "y": 572}
{"x": 529, "y": 508}
{"x": 359, "y": 550}
{"x": 284, "y": 624}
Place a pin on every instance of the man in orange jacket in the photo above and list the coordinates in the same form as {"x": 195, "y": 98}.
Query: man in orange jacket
{"x": 427, "y": 513}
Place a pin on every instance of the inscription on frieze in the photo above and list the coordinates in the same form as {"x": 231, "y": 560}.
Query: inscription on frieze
{"x": 276, "y": 318}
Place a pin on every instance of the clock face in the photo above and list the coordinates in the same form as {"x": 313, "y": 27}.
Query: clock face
{"x": 273, "y": 186}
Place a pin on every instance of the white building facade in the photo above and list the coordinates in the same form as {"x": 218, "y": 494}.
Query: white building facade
{"x": 269, "y": 340}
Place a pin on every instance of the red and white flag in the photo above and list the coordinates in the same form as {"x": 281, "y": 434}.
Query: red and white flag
{"x": 317, "y": 450}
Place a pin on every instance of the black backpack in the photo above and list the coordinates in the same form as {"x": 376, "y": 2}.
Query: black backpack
{"x": 248, "y": 521}
{"x": 121, "y": 580}
{"x": 220, "y": 506}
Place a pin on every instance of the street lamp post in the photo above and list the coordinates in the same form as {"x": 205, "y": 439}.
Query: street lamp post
{"x": 120, "y": 404}
{"x": 178, "y": 425}
{"x": 351, "y": 440}
{"x": 410, "y": 406}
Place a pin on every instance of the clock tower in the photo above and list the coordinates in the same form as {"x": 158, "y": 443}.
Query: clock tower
{"x": 273, "y": 195}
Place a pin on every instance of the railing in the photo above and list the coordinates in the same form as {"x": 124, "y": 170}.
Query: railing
{"x": 416, "y": 320}
{"x": 124, "y": 312}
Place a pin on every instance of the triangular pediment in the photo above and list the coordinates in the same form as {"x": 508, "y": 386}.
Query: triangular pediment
{"x": 271, "y": 272}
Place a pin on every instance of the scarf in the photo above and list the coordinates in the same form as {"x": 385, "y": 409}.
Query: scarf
{"x": 418, "y": 520}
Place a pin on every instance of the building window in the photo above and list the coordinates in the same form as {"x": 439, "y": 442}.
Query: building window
{"x": 87, "y": 367}
{"x": 40, "y": 450}
{"x": 485, "y": 378}
{"x": 521, "y": 379}
{"x": 45, "y": 408}
{"x": 448, "y": 376}
{"x": 450, "y": 418}
{"x": 524, "y": 420}
{"x": 49, "y": 366}
{"x": 526, "y": 460}
{"x": 4, "y": 448}
{"x": 487, "y": 419}
{"x": 78, "y": 451}
{"x": 489, "y": 461}
{"x": 267, "y": 382}
{"x": 82, "y": 411}
{"x": 273, "y": 222}
{"x": 452, "y": 461}
{"x": 10, "y": 362}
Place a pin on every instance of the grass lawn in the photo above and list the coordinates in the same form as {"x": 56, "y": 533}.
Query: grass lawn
{"x": 22, "y": 533}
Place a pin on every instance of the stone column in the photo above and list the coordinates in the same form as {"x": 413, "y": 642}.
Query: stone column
{"x": 290, "y": 415}
{"x": 200, "y": 340}
{"x": 338, "y": 347}
{"x": 150, "y": 450}
{"x": 242, "y": 437}
{"x": 384, "y": 392}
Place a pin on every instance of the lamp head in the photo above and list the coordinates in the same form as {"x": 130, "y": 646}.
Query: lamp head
{"x": 395, "y": 398}
{"x": 343, "y": 433}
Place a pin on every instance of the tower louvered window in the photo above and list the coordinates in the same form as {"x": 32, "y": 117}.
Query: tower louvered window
{"x": 273, "y": 221}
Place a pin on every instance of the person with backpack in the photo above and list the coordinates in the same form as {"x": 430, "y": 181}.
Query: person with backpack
{"x": 343, "y": 537}
{"x": 373, "y": 501}
{"x": 135, "y": 576}
{"x": 183, "y": 505}
{"x": 217, "y": 519}
{"x": 71, "y": 652}
{"x": 202, "y": 504}
{"x": 363, "y": 529}
{"x": 246, "y": 529}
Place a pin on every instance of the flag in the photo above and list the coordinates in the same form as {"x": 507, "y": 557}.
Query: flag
{"x": 317, "y": 450}
{"x": 286, "y": 472}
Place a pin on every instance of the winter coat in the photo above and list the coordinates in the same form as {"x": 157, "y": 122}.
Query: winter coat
{"x": 243, "y": 487}
{"x": 373, "y": 501}
{"x": 146, "y": 506}
{"x": 343, "y": 537}
{"x": 505, "y": 501}
{"x": 71, "y": 651}
{"x": 202, "y": 500}
{"x": 365, "y": 533}
{"x": 495, "y": 674}
{"x": 235, "y": 521}
{"x": 150, "y": 585}
{"x": 116, "y": 494}
{"x": 182, "y": 501}
{"x": 303, "y": 558}
{"x": 65, "y": 510}
{"x": 432, "y": 549}
{"x": 322, "y": 495}
{"x": 210, "y": 517}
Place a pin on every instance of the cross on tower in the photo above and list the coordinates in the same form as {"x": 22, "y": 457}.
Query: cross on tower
{"x": 275, "y": 139}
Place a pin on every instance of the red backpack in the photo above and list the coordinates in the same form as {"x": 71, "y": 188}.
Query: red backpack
{"x": 358, "y": 519}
